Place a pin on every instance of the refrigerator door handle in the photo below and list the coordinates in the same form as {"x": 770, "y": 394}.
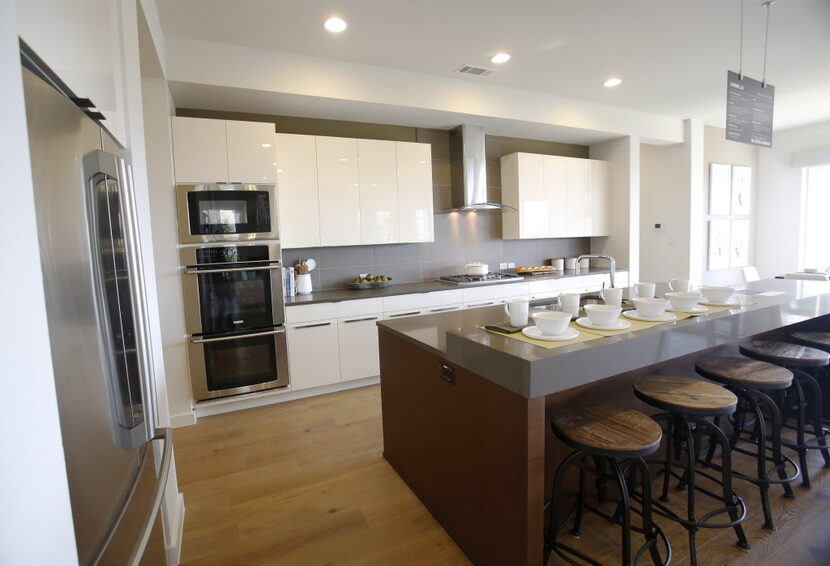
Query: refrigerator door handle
{"x": 165, "y": 435}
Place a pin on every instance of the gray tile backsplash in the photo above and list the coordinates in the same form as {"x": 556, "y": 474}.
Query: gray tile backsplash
{"x": 459, "y": 238}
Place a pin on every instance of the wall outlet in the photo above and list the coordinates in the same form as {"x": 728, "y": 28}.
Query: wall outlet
{"x": 658, "y": 226}
{"x": 511, "y": 265}
{"x": 502, "y": 266}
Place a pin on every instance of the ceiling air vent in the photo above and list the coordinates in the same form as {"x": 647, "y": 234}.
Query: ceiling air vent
{"x": 475, "y": 71}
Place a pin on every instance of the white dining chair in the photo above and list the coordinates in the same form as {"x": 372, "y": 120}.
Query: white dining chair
{"x": 750, "y": 274}
{"x": 807, "y": 276}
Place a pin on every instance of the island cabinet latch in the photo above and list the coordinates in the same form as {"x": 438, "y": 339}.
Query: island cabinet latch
{"x": 447, "y": 373}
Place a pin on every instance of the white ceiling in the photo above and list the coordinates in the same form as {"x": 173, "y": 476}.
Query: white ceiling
{"x": 671, "y": 55}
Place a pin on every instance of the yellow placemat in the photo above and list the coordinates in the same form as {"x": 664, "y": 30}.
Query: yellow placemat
{"x": 547, "y": 344}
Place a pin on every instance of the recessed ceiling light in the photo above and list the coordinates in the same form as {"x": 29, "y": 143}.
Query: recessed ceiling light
{"x": 266, "y": 145}
{"x": 500, "y": 58}
{"x": 335, "y": 24}
{"x": 612, "y": 82}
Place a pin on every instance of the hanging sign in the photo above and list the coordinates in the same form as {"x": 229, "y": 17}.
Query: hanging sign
{"x": 749, "y": 110}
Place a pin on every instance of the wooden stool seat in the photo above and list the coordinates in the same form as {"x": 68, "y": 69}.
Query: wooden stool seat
{"x": 817, "y": 339}
{"x": 785, "y": 353}
{"x": 745, "y": 372}
{"x": 606, "y": 430}
{"x": 686, "y": 396}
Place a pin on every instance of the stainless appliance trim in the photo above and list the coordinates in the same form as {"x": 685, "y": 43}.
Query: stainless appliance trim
{"x": 186, "y": 237}
{"x": 227, "y": 269}
{"x": 235, "y": 337}
{"x": 198, "y": 372}
{"x": 190, "y": 282}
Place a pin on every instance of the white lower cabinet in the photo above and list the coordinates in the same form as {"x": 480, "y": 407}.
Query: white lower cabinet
{"x": 313, "y": 353}
{"x": 358, "y": 340}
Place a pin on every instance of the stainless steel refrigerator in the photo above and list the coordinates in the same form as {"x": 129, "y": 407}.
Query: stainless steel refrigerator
{"x": 117, "y": 461}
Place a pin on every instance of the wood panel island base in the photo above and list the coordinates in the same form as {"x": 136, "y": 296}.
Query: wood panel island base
{"x": 466, "y": 412}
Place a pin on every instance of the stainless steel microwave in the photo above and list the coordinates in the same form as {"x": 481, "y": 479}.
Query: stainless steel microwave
{"x": 226, "y": 213}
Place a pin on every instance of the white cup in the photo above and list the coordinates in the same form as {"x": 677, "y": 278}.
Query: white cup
{"x": 558, "y": 263}
{"x": 612, "y": 296}
{"x": 516, "y": 310}
{"x": 570, "y": 263}
{"x": 645, "y": 290}
{"x": 570, "y": 303}
{"x": 680, "y": 285}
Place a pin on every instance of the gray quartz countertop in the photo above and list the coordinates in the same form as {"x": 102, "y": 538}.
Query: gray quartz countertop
{"x": 532, "y": 371}
{"x": 337, "y": 295}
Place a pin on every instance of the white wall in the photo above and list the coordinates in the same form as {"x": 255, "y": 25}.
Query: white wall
{"x": 623, "y": 244}
{"x": 777, "y": 247}
{"x": 717, "y": 149}
{"x": 36, "y": 519}
{"x": 671, "y": 187}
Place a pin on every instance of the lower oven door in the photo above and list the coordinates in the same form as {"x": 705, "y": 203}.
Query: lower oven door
{"x": 221, "y": 366}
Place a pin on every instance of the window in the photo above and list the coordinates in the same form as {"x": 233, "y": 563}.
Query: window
{"x": 815, "y": 233}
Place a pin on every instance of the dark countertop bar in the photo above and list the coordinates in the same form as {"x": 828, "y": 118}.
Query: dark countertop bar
{"x": 337, "y": 295}
{"x": 533, "y": 372}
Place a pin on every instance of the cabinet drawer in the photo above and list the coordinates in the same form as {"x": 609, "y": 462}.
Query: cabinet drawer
{"x": 544, "y": 287}
{"x": 359, "y": 307}
{"x": 306, "y": 313}
{"x": 359, "y": 355}
{"x": 403, "y": 302}
{"x": 437, "y": 298}
{"x": 498, "y": 291}
{"x": 595, "y": 282}
{"x": 313, "y": 354}
{"x": 571, "y": 283}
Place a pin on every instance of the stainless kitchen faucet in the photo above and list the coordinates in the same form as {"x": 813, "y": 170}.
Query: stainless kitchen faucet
{"x": 611, "y": 262}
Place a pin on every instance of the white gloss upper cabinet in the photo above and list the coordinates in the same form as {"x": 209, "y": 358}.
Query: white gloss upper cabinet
{"x": 600, "y": 183}
{"x": 297, "y": 190}
{"x": 523, "y": 191}
{"x": 377, "y": 174}
{"x": 338, "y": 191}
{"x": 579, "y": 197}
{"x": 251, "y": 152}
{"x": 200, "y": 150}
{"x": 556, "y": 195}
{"x": 414, "y": 178}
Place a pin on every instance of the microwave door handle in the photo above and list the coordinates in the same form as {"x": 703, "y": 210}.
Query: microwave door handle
{"x": 229, "y": 269}
{"x": 237, "y": 337}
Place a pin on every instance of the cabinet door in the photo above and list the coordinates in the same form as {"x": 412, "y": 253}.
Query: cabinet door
{"x": 359, "y": 355}
{"x": 600, "y": 183}
{"x": 297, "y": 190}
{"x": 313, "y": 354}
{"x": 579, "y": 197}
{"x": 200, "y": 150}
{"x": 252, "y": 157}
{"x": 415, "y": 222}
{"x": 337, "y": 185}
{"x": 556, "y": 194}
{"x": 378, "y": 178}
{"x": 533, "y": 208}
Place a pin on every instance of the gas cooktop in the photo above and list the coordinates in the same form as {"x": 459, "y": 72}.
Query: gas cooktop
{"x": 479, "y": 279}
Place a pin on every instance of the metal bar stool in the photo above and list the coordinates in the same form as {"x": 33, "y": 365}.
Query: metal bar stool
{"x": 820, "y": 340}
{"x": 753, "y": 382}
{"x": 803, "y": 396}
{"x": 614, "y": 438}
{"x": 690, "y": 402}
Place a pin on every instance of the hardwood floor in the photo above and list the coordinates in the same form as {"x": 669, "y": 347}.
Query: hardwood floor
{"x": 305, "y": 483}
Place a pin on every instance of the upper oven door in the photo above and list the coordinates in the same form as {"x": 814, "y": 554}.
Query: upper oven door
{"x": 226, "y": 213}
{"x": 232, "y": 288}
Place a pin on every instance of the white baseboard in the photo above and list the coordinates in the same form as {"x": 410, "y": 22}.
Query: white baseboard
{"x": 174, "y": 549}
{"x": 185, "y": 419}
{"x": 231, "y": 404}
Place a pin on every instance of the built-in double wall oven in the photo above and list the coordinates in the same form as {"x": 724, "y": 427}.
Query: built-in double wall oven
{"x": 233, "y": 296}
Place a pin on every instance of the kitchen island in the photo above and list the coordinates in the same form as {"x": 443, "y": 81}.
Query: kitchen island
{"x": 466, "y": 411}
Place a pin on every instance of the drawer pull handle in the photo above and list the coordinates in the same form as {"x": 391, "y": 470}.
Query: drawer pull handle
{"x": 400, "y": 314}
{"x": 360, "y": 319}
{"x": 319, "y": 324}
{"x": 444, "y": 309}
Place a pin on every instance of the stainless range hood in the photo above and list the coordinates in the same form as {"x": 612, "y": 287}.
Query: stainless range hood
{"x": 468, "y": 168}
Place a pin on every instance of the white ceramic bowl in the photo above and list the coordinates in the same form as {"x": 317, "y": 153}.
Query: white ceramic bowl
{"x": 603, "y": 315}
{"x": 683, "y": 300}
{"x": 476, "y": 268}
{"x": 717, "y": 294}
{"x": 551, "y": 323}
{"x": 650, "y": 308}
